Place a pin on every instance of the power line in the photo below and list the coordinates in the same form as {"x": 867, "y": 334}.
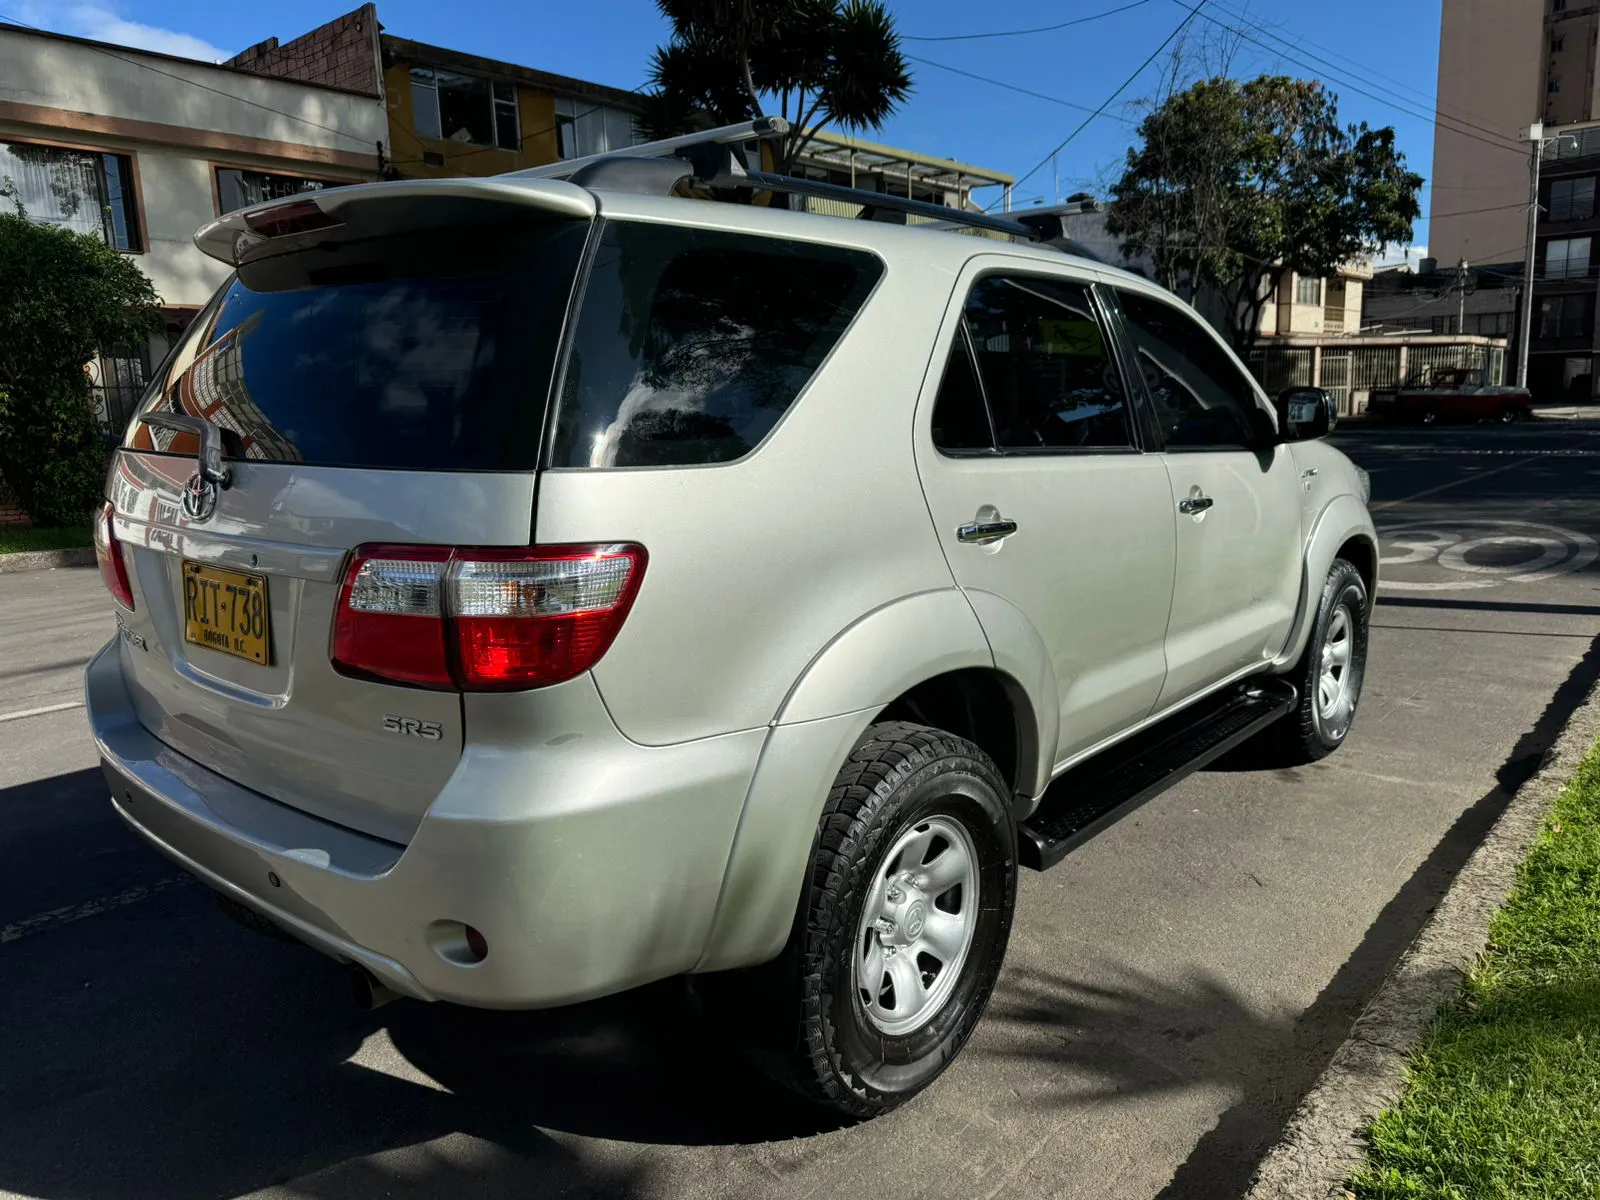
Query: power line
{"x": 1111, "y": 99}
{"x": 1010, "y": 87}
{"x": 196, "y": 83}
{"x": 972, "y": 37}
{"x": 1371, "y": 75}
{"x": 1496, "y": 140}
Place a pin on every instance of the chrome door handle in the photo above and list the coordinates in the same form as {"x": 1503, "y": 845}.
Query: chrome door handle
{"x": 982, "y": 533}
{"x": 1190, "y": 505}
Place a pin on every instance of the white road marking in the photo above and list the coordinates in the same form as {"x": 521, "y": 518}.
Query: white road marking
{"x": 1561, "y": 551}
{"x": 89, "y": 908}
{"x": 39, "y": 712}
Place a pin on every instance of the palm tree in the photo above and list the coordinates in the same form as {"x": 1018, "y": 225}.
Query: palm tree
{"x": 823, "y": 62}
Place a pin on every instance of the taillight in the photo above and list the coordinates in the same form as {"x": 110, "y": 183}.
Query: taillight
{"x": 482, "y": 619}
{"x": 298, "y": 216}
{"x": 108, "y": 554}
{"x": 391, "y": 616}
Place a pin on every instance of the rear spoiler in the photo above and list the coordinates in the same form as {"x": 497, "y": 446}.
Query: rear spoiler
{"x": 377, "y": 209}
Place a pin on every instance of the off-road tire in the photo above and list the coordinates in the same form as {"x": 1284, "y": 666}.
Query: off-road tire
{"x": 1303, "y": 735}
{"x": 818, "y": 1040}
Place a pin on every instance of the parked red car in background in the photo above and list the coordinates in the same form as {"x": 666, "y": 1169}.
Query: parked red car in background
{"x": 1434, "y": 396}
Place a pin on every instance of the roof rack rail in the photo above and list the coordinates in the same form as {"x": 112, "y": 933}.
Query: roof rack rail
{"x": 725, "y": 135}
{"x": 715, "y": 159}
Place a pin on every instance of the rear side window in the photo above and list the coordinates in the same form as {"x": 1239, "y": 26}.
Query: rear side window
{"x": 430, "y": 351}
{"x": 1051, "y": 381}
{"x": 692, "y": 344}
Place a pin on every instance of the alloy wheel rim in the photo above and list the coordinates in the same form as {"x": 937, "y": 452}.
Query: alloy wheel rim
{"x": 1336, "y": 686}
{"x": 917, "y": 926}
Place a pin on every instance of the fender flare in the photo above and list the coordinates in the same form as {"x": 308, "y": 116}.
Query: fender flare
{"x": 1344, "y": 518}
{"x": 886, "y": 653}
{"x": 862, "y": 670}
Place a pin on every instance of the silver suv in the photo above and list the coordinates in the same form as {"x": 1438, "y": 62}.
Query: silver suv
{"x": 528, "y": 590}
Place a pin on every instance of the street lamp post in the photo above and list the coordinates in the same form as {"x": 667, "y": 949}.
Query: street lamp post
{"x": 1533, "y": 134}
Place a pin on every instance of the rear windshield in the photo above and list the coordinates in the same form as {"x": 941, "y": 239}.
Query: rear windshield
{"x": 426, "y": 351}
{"x": 693, "y": 343}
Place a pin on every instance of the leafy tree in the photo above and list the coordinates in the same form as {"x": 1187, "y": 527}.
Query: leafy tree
{"x": 820, "y": 62}
{"x": 1236, "y": 184}
{"x": 63, "y": 296}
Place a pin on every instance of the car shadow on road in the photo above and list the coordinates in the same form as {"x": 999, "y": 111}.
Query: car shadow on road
{"x": 155, "y": 1049}
{"x": 1224, "y": 1159}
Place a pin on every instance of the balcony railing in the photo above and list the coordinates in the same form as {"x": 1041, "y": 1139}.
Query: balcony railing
{"x": 1572, "y": 143}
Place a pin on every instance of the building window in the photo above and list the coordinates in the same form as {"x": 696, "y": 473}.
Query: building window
{"x": 238, "y": 188}
{"x": 1307, "y": 290}
{"x": 1566, "y": 316}
{"x": 1553, "y": 86}
{"x": 117, "y": 378}
{"x": 462, "y": 108}
{"x": 1566, "y": 258}
{"x": 1557, "y": 44}
{"x": 584, "y": 128}
{"x": 82, "y": 190}
{"x": 1571, "y": 199}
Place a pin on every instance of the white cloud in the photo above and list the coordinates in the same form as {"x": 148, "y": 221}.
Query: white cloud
{"x": 95, "y": 21}
{"x": 1411, "y": 256}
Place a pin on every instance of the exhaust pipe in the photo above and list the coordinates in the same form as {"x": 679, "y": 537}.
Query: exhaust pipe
{"x": 369, "y": 991}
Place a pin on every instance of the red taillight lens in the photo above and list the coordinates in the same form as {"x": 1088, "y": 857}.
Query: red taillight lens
{"x": 390, "y": 623}
{"x": 483, "y": 619}
{"x": 108, "y": 554}
{"x": 299, "y": 216}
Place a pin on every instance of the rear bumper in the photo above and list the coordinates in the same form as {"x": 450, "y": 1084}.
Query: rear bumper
{"x": 602, "y": 875}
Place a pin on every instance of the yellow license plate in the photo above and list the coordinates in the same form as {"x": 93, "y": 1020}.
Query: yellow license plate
{"x": 227, "y": 611}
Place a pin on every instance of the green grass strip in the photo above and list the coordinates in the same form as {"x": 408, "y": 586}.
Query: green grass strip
{"x": 16, "y": 538}
{"x": 1502, "y": 1099}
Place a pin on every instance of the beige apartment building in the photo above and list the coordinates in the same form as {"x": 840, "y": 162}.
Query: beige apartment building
{"x": 1504, "y": 64}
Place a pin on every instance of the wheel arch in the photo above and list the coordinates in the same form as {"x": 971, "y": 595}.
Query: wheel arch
{"x": 1343, "y": 529}
{"x": 864, "y": 676}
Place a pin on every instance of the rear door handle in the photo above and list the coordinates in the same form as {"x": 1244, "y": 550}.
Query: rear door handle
{"x": 1190, "y": 505}
{"x": 982, "y": 533}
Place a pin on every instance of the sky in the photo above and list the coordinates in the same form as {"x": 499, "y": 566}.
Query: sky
{"x": 1387, "y": 49}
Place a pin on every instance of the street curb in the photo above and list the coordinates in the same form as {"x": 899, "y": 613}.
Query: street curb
{"x": 1323, "y": 1142}
{"x": 44, "y": 560}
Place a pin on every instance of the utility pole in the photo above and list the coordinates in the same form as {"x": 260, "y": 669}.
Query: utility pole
{"x": 1534, "y": 134}
{"x": 1461, "y": 296}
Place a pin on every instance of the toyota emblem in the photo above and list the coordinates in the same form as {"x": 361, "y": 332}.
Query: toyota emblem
{"x": 199, "y": 498}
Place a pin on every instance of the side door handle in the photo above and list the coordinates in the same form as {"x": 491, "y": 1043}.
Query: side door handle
{"x": 983, "y": 533}
{"x": 1190, "y": 505}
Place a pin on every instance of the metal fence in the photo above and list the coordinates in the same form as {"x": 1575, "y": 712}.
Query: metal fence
{"x": 1351, "y": 373}
{"x": 117, "y": 380}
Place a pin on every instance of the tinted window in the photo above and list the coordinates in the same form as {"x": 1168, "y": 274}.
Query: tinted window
{"x": 692, "y": 343}
{"x": 960, "y": 421}
{"x": 1202, "y": 396}
{"x": 1049, "y": 377}
{"x": 429, "y": 351}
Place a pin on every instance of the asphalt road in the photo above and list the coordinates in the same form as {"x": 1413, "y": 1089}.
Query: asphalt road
{"x": 1171, "y": 988}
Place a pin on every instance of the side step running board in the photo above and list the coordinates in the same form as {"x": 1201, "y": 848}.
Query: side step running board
{"x": 1100, "y": 792}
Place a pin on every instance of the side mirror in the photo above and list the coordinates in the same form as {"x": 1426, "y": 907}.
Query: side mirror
{"x": 1305, "y": 413}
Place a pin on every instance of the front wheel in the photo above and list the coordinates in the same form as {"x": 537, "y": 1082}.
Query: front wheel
{"x": 901, "y": 928}
{"x": 1330, "y": 674}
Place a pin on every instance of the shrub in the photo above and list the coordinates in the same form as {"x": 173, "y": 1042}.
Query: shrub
{"x": 63, "y": 296}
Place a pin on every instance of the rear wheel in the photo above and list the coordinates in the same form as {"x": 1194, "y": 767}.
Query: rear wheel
{"x": 901, "y": 928}
{"x": 1508, "y": 414}
{"x": 1430, "y": 416}
{"x": 1330, "y": 674}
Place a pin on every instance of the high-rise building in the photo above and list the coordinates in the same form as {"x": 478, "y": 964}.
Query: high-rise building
{"x": 1503, "y": 65}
